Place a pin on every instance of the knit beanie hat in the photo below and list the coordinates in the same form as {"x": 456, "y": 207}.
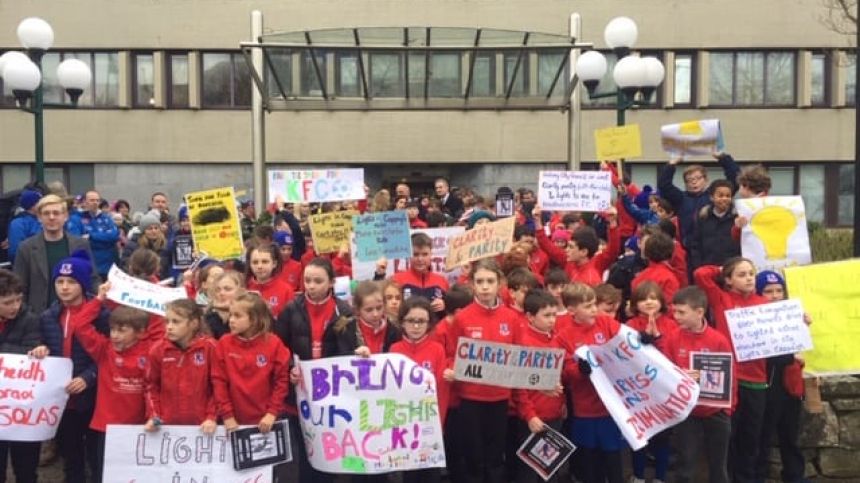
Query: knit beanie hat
{"x": 478, "y": 215}
{"x": 149, "y": 219}
{"x": 283, "y": 239}
{"x": 765, "y": 278}
{"x": 641, "y": 200}
{"x": 560, "y": 234}
{"x": 78, "y": 266}
{"x": 29, "y": 198}
{"x": 183, "y": 213}
{"x": 632, "y": 243}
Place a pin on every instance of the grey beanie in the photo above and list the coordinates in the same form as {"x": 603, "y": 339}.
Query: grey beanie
{"x": 148, "y": 220}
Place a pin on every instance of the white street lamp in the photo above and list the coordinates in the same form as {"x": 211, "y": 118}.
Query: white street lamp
{"x": 23, "y": 77}
{"x": 35, "y": 34}
{"x": 654, "y": 74}
{"x": 75, "y": 77}
{"x": 620, "y": 35}
{"x": 591, "y": 67}
{"x": 629, "y": 74}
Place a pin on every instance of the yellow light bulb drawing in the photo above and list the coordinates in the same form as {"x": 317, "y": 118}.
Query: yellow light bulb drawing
{"x": 773, "y": 225}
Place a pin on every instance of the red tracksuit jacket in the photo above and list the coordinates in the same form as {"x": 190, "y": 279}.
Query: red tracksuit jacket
{"x": 591, "y": 272}
{"x": 121, "y": 379}
{"x": 721, "y": 300}
{"x": 586, "y": 402}
{"x": 250, "y": 377}
{"x": 666, "y": 326}
{"x": 661, "y": 274}
{"x": 178, "y": 382}
{"x": 429, "y": 284}
{"x": 496, "y": 324}
{"x": 291, "y": 273}
{"x": 682, "y": 342}
{"x": 431, "y": 355}
{"x": 531, "y": 404}
{"x": 276, "y": 292}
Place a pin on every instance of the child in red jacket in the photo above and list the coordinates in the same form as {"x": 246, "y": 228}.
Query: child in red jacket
{"x": 658, "y": 249}
{"x": 416, "y": 318}
{"x": 598, "y": 439}
{"x": 291, "y": 270}
{"x": 250, "y": 375}
{"x": 263, "y": 266}
{"x": 537, "y": 408}
{"x": 178, "y": 383}
{"x": 483, "y": 407}
{"x": 122, "y": 361}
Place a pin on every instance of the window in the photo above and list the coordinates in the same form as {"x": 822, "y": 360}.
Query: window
{"x": 607, "y": 84}
{"x": 15, "y": 176}
{"x": 548, "y": 64}
{"x": 226, "y": 80}
{"x": 521, "y": 82}
{"x": 348, "y": 83}
{"x": 850, "y": 75}
{"x": 311, "y": 85}
{"x": 812, "y": 190}
{"x": 144, "y": 92}
{"x": 386, "y": 75}
{"x": 416, "y": 75}
{"x": 819, "y": 71}
{"x": 752, "y": 78}
{"x": 846, "y": 195}
{"x": 484, "y": 75}
{"x": 177, "y": 75}
{"x": 781, "y": 180}
{"x": 683, "y": 81}
{"x": 445, "y": 75}
{"x": 281, "y": 62}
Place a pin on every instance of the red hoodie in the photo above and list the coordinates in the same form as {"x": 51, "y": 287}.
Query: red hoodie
{"x": 538, "y": 263}
{"x": 121, "y": 379}
{"x": 682, "y": 342}
{"x": 661, "y": 274}
{"x": 626, "y": 224}
{"x": 590, "y": 272}
{"x": 721, "y": 300}
{"x": 276, "y": 292}
{"x": 291, "y": 272}
{"x": 250, "y": 377}
{"x": 178, "y": 382}
{"x": 586, "y": 402}
{"x": 492, "y": 324}
{"x": 679, "y": 265}
{"x": 430, "y": 355}
{"x": 666, "y": 326}
{"x": 532, "y": 404}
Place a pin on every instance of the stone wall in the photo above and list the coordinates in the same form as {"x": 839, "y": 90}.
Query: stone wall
{"x": 830, "y": 439}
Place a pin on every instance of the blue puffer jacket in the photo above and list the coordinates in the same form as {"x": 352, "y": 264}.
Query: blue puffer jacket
{"x": 102, "y": 233}
{"x": 83, "y": 365}
{"x": 23, "y": 226}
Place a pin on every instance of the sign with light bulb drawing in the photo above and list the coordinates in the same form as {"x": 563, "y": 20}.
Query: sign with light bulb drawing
{"x": 775, "y": 236}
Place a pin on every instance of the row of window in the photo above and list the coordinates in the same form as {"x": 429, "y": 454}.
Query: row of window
{"x": 736, "y": 79}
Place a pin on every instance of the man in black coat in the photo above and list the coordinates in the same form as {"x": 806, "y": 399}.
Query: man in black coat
{"x": 451, "y": 204}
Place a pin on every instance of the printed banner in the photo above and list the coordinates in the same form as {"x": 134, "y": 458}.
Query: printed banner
{"x": 140, "y": 294}
{"x": 317, "y": 185}
{"x": 369, "y": 415}
{"x": 575, "y": 190}
{"x": 776, "y": 235}
{"x": 768, "y": 330}
{"x": 715, "y": 378}
{"x": 692, "y": 137}
{"x": 380, "y": 235}
{"x": 507, "y": 365}
{"x": 546, "y": 452}
{"x": 831, "y": 296}
{"x": 618, "y": 142}
{"x": 215, "y": 223}
{"x": 441, "y": 241}
{"x": 173, "y": 453}
{"x": 331, "y": 231}
{"x": 644, "y": 392}
{"x": 482, "y": 241}
{"x": 32, "y": 396}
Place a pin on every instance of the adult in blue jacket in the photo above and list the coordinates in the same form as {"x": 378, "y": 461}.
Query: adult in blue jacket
{"x": 689, "y": 202}
{"x": 99, "y": 228}
{"x": 25, "y": 224}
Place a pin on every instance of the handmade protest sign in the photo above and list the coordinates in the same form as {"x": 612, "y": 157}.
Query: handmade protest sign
{"x": 140, "y": 294}
{"x": 507, "y": 365}
{"x": 619, "y": 142}
{"x": 369, "y": 415}
{"x": 776, "y": 235}
{"x": 644, "y": 392}
{"x": 174, "y": 453}
{"x": 575, "y": 190}
{"x": 768, "y": 330}
{"x": 692, "y": 137}
{"x": 32, "y": 396}
{"x": 183, "y": 252}
{"x": 831, "y": 296}
{"x": 545, "y": 452}
{"x": 215, "y": 223}
{"x": 441, "y": 241}
{"x": 316, "y": 185}
{"x": 384, "y": 234}
{"x": 482, "y": 241}
{"x": 715, "y": 378}
{"x": 331, "y": 231}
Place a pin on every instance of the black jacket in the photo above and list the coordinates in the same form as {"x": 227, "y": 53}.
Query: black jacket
{"x": 294, "y": 326}
{"x": 21, "y": 334}
{"x": 218, "y": 326}
{"x": 342, "y": 338}
{"x": 712, "y": 242}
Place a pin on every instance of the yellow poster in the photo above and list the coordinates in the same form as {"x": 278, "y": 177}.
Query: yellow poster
{"x": 830, "y": 293}
{"x": 621, "y": 142}
{"x": 331, "y": 231}
{"x": 215, "y": 223}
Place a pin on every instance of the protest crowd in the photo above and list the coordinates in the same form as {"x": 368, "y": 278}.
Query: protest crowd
{"x": 662, "y": 263}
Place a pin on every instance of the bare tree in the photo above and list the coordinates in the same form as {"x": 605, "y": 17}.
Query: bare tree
{"x": 841, "y": 16}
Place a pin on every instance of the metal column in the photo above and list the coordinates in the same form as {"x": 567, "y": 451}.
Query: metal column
{"x": 574, "y": 114}
{"x": 258, "y": 119}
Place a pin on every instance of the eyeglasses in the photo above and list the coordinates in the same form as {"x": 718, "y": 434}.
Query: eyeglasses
{"x": 693, "y": 179}
{"x": 416, "y": 321}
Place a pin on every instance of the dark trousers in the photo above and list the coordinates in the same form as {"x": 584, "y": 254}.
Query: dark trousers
{"x": 76, "y": 445}
{"x": 746, "y": 434}
{"x": 601, "y": 466}
{"x": 454, "y": 451}
{"x": 484, "y": 434}
{"x": 98, "y": 446}
{"x": 703, "y": 436}
{"x": 429, "y": 475}
{"x": 306, "y": 472}
{"x": 659, "y": 446}
{"x": 25, "y": 460}
{"x": 525, "y": 474}
{"x": 781, "y": 416}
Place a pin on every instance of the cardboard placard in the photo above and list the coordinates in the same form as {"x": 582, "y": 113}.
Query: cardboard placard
{"x": 776, "y": 236}
{"x": 507, "y": 365}
{"x": 215, "y": 225}
{"x": 316, "y": 185}
{"x": 619, "y": 142}
{"x": 385, "y": 234}
{"x": 482, "y": 241}
{"x": 331, "y": 231}
{"x": 768, "y": 330}
{"x": 32, "y": 396}
{"x": 140, "y": 294}
{"x": 575, "y": 190}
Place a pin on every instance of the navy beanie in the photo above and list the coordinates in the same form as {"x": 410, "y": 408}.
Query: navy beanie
{"x": 29, "y": 198}
{"x": 765, "y": 278}
{"x": 78, "y": 266}
{"x": 641, "y": 200}
{"x": 283, "y": 238}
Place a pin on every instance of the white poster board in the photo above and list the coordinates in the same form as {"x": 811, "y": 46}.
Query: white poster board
{"x": 140, "y": 294}
{"x": 441, "y": 240}
{"x": 776, "y": 235}
{"x": 316, "y": 185}
{"x": 692, "y": 137}
{"x": 32, "y": 396}
{"x": 768, "y": 330}
{"x": 575, "y": 190}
